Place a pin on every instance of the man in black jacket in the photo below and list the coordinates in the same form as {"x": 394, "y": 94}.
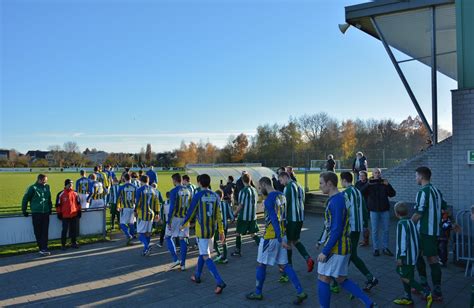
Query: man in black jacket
{"x": 228, "y": 189}
{"x": 378, "y": 191}
{"x": 239, "y": 185}
{"x": 331, "y": 163}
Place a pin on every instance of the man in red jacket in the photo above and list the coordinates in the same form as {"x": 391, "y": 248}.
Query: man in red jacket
{"x": 68, "y": 208}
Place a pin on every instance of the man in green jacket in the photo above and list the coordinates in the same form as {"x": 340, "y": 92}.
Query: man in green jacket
{"x": 39, "y": 197}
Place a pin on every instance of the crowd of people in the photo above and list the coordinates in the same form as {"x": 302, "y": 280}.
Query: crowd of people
{"x": 139, "y": 208}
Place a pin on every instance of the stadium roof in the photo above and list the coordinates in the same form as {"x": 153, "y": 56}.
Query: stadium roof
{"x": 407, "y": 27}
{"x": 425, "y": 30}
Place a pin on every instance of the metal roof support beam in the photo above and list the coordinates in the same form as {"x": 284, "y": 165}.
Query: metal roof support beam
{"x": 402, "y": 76}
{"x": 434, "y": 78}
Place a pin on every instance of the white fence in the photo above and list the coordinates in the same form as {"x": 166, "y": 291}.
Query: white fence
{"x": 19, "y": 229}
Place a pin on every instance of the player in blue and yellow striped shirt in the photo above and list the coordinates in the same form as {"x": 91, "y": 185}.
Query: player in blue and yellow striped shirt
{"x": 334, "y": 258}
{"x": 180, "y": 198}
{"x": 147, "y": 210}
{"x": 273, "y": 248}
{"x": 205, "y": 207}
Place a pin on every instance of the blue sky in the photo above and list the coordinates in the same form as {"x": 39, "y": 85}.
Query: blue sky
{"x": 116, "y": 75}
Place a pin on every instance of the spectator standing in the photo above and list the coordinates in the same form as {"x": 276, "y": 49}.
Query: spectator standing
{"x": 359, "y": 164}
{"x": 378, "y": 191}
{"x": 68, "y": 209}
{"x": 38, "y": 196}
{"x": 331, "y": 163}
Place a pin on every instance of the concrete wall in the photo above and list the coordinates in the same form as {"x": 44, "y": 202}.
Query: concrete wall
{"x": 463, "y": 141}
{"x": 438, "y": 158}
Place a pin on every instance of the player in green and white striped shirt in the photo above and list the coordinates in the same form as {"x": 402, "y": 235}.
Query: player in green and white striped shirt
{"x": 358, "y": 219}
{"x": 407, "y": 253}
{"x": 247, "y": 214}
{"x": 295, "y": 196}
{"x": 429, "y": 202}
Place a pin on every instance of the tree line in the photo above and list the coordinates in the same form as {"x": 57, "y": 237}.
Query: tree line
{"x": 297, "y": 142}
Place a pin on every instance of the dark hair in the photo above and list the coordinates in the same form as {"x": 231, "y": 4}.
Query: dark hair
{"x": 231, "y": 178}
{"x": 284, "y": 174}
{"x": 41, "y": 177}
{"x": 83, "y": 172}
{"x": 198, "y": 178}
{"x": 283, "y": 169}
{"x": 347, "y": 176}
{"x": 144, "y": 178}
{"x": 167, "y": 194}
{"x": 96, "y": 168}
{"x": 425, "y": 172}
{"x": 205, "y": 180}
{"x": 126, "y": 176}
{"x": 219, "y": 193}
{"x": 186, "y": 177}
{"x": 329, "y": 176}
{"x": 265, "y": 180}
{"x": 127, "y": 169}
{"x": 401, "y": 208}
{"x": 176, "y": 177}
{"x": 134, "y": 175}
{"x": 246, "y": 178}
{"x": 140, "y": 172}
{"x": 364, "y": 172}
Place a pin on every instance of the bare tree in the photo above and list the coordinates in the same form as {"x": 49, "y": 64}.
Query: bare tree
{"x": 71, "y": 147}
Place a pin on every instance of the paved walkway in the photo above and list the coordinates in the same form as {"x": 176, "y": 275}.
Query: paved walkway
{"x": 110, "y": 274}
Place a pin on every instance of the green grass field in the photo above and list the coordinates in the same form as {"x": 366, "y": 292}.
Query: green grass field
{"x": 14, "y": 184}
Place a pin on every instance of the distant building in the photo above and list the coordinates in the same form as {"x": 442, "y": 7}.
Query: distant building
{"x": 4, "y": 154}
{"x": 35, "y": 155}
{"x": 97, "y": 157}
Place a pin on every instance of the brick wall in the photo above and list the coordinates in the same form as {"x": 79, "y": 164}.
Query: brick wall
{"x": 438, "y": 158}
{"x": 463, "y": 140}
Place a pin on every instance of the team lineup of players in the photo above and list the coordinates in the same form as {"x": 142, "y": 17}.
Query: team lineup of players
{"x": 138, "y": 205}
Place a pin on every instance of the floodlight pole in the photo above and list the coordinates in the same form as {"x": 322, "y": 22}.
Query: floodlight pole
{"x": 434, "y": 78}
{"x": 402, "y": 76}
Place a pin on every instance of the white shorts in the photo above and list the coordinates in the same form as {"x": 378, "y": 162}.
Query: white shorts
{"x": 99, "y": 203}
{"x": 83, "y": 199}
{"x": 205, "y": 246}
{"x": 336, "y": 266}
{"x": 175, "y": 231}
{"x": 144, "y": 226}
{"x": 127, "y": 216}
{"x": 270, "y": 252}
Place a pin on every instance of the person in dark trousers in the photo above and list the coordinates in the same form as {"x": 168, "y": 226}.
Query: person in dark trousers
{"x": 38, "y": 196}
{"x": 359, "y": 164}
{"x": 363, "y": 178}
{"x": 68, "y": 209}
{"x": 228, "y": 189}
{"x": 331, "y": 163}
{"x": 276, "y": 184}
{"x": 239, "y": 185}
{"x": 378, "y": 191}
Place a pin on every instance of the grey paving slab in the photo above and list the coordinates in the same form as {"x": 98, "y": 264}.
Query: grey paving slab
{"x": 111, "y": 274}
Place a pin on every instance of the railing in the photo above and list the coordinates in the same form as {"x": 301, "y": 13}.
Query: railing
{"x": 464, "y": 240}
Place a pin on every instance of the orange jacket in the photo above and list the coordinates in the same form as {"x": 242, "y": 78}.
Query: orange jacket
{"x": 68, "y": 203}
